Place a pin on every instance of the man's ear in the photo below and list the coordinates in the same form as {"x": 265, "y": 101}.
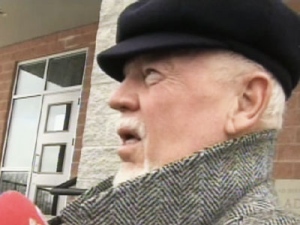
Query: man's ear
{"x": 249, "y": 104}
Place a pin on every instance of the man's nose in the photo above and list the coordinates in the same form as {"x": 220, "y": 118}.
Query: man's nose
{"x": 125, "y": 98}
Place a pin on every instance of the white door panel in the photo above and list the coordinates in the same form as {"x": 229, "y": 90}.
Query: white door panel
{"x": 54, "y": 149}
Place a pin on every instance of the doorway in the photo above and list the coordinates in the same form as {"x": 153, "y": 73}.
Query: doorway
{"x": 42, "y": 127}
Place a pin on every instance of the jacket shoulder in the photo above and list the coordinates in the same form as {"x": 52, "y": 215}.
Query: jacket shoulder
{"x": 259, "y": 206}
{"x": 276, "y": 217}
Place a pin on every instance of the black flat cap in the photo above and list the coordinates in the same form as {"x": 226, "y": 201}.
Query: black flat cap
{"x": 265, "y": 31}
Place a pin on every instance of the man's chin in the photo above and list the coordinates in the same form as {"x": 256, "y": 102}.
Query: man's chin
{"x": 125, "y": 174}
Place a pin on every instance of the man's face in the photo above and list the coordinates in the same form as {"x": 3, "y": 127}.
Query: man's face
{"x": 170, "y": 108}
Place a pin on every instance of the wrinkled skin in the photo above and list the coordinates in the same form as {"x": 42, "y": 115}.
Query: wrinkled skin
{"x": 180, "y": 105}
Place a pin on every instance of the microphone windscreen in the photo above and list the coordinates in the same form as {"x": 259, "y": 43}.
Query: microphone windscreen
{"x": 16, "y": 209}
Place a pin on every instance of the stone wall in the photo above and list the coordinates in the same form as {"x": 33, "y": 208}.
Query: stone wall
{"x": 100, "y": 141}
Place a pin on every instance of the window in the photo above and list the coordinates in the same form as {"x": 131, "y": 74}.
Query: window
{"x": 52, "y": 158}
{"x": 65, "y": 72}
{"x": 13, "y": 181}
{"x": 22, "y": 132}
{"x": 58, "y": 117}
{"x": 31, "y": 78}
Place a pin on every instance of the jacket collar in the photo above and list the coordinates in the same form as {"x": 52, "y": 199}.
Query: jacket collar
{"x": 195, "y": 190}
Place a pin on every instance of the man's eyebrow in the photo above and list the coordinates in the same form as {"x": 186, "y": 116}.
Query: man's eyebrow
{"x": 150, "y": 58}
{"x": 141, "y": 60}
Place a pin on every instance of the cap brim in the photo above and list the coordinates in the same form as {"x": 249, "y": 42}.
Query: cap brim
{"x": 112, "y": 60}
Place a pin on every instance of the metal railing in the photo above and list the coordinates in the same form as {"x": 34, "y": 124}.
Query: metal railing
{"x": 102, "y": 186}
{"x": 46, "y": 202}
{"x": 7, "y": 185}
{"x": 46, "y": 197}
{"x": 66, "y": 188}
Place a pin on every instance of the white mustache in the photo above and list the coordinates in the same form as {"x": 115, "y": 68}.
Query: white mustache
{"x": 133, "y": 124}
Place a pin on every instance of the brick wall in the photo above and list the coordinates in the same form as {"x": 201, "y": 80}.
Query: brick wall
{"x": 59, "y": 42}
{"x": 287, "y": 162}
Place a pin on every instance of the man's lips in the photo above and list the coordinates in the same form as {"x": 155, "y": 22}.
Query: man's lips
{"x": 129, "y": 136}
{"x": 130, "y": 140}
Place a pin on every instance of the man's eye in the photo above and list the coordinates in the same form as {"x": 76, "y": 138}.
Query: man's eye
{"x": 151, "y": 76}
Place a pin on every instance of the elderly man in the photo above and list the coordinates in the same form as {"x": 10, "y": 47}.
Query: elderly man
{"x": 202, "y": 95}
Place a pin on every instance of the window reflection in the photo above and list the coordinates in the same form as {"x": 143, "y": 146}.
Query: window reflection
{"x": 52, "y": 158}
{"x": 65, "y": 71}
{"x": 14, "y": 181}
{"x": 22, "y": 132}
{"x": 58, "y": 117}
{"x": 31, "y": 78}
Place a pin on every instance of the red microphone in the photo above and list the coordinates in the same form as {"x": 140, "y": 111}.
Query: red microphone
{"x": 16, "y": 209}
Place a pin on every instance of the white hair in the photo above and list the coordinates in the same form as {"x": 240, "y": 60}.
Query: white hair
{"x": 272, "y": 117}
{"x": 237, "y": 66}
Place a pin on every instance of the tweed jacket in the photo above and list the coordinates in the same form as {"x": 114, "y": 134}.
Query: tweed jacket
{"x": 227, "y": 184}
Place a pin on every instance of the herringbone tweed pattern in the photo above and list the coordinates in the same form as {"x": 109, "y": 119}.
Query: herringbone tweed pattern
{"x": 229, "y": 183}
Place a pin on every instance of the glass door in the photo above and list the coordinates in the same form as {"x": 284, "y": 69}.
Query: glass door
{"x": 54, "y": 151}
{"x": 42, "y": 123}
